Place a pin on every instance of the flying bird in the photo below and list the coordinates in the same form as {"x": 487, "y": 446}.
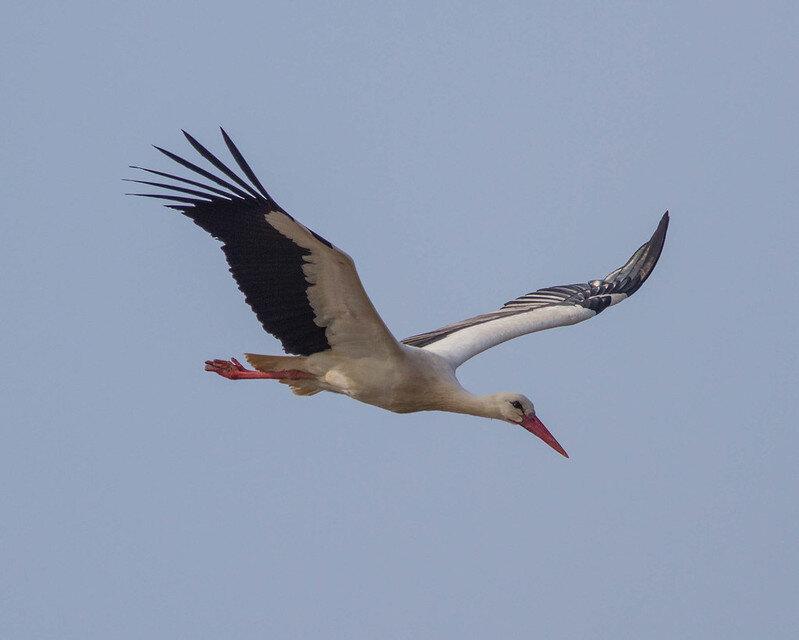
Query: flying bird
{"x": 306, "y": 292}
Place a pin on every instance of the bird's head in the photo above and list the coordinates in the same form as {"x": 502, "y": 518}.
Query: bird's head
{"x": 519, "y": 409}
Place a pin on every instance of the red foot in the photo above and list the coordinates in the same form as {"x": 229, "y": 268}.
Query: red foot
{"x": 233, "y": 370}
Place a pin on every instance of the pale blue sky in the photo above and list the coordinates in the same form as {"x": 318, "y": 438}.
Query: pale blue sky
{"x": 463, "y": 154}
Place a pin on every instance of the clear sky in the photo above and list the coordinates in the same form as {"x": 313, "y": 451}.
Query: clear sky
{"x": 464, "y": 154}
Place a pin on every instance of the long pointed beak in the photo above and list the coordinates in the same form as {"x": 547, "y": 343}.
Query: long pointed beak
{"x": 536, "y": 427}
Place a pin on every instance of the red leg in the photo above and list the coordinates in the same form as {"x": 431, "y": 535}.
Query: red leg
{"x": 233, "y": 370}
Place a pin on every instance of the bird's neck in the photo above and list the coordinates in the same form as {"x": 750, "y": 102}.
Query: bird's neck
{"x": 461, "y": 401}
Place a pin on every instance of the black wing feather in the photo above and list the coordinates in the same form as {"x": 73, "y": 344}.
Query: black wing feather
{"x": 203, "y": 173}
{"x": 183, "y": 180}
{"x": 266, "y": 264}
{"x": 219, "y": 165}
{"x": 234, "y": 151}
{"x": 163, "y": 185}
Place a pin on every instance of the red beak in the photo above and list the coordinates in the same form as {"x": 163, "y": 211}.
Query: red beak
{"x": 536, "y": 427}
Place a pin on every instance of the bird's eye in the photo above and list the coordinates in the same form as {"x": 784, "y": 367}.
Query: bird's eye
{"x": 516, "y": 404}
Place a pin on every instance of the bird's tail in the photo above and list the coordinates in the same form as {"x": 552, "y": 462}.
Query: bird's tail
{"x": 271, "y": 364}
{"x": 276, "y": 363}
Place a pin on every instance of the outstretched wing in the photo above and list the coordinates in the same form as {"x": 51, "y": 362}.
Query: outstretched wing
{"x": 305, "y": 291}
{"x": 545, "y": 308}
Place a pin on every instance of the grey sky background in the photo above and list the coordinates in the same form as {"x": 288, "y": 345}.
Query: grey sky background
{"x": 464, "y": 154}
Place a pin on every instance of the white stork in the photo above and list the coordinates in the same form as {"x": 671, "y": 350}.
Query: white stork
{"x": 307, "y": 293}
